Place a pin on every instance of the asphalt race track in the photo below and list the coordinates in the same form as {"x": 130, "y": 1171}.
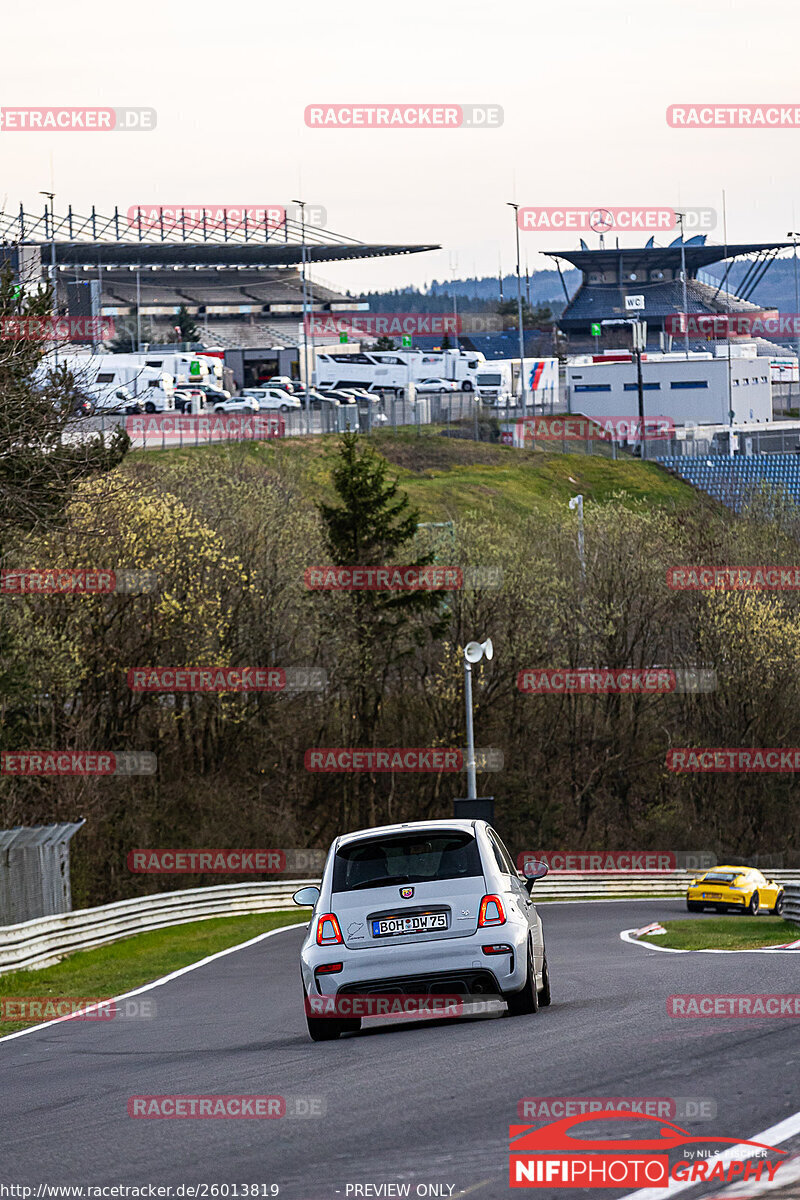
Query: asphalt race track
{"x": 405, "y": 1103}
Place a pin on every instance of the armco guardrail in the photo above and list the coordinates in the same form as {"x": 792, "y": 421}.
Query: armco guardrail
{"x": 576, "y": 885}
{"x": 791, "y": 902}
{"x": 44, "y": 941}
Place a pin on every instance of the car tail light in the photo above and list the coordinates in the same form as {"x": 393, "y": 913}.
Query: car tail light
{"x": 328, "y": 931}
{"x": 497, "y": 948}
{"x": 491, "y": 912}
{"x": 329, "y": 969}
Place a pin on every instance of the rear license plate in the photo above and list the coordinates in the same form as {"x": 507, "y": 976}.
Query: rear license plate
{"x": 420, "y": 923}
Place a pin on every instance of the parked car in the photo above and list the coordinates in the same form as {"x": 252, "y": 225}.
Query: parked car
{"x": 436, "y": 385}
{"x": 238, "y": 404}
{"x": 344, "y": 397}
{"x": 274, "y": 398}
{"x": 281, "y": 381}
{"x": 316, "y": 399}
{"x": 211, "y": 392}
{"x": 423, "y": 908}
{"x": 187, "y": 398}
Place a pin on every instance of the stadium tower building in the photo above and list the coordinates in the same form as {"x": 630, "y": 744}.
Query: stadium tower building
{"x": 621, "y": 283}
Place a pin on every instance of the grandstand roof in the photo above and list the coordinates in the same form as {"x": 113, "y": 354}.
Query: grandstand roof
{"x": 117, "y": 241}
{"x": 648, "y": 257}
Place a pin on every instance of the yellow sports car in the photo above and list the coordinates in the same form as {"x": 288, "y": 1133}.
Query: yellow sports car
{"x": 742, "y": 888}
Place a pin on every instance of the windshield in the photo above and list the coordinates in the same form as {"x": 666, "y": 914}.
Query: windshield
{"x": 721, "y": 877}
{"x": 406, "y": 858}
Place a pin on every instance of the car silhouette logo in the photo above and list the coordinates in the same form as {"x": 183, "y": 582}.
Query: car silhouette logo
{"x": 406, "y": 893}
{"x": 557, "y": 1135}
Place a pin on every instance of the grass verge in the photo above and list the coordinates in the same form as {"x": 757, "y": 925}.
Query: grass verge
{"x": 111, "y": 970}
{"x": 448, "y": 477}
{"x": 724, "y": 933}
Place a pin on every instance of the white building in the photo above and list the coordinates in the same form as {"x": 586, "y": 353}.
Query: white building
{"x": 696, "y": 389}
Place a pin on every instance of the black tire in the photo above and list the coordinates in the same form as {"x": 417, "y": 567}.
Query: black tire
{"x": 466, "y": 386}
{"x": 752, "y": 908}
{"x": 544, "y": 991}
{"x": 693, "y": 906}
{"x": 526, "y": 1001}
{"x": 323, "y": 1029}
{"x": 442, "y": 391}
{"x": 778, "y": 909}
{"x": 219, "y": 409}
{"x": 149, "y": 407}
{"x": 400, "y": 393}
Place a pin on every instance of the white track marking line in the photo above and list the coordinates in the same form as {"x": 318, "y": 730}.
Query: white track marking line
{"x": 792, "y": 1174}
{"x": 627, "y": 936}
{"x": 146, "y": 987}
{"x": 773, "y": 1136}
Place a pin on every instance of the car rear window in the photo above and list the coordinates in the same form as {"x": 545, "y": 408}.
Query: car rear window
{"x": 405, "y": 858}
{"x": 720, "y": 877}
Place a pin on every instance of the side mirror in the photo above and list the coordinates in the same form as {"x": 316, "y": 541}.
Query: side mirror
{"x": 532, "y": 870}
{"x": 307, "y": 896}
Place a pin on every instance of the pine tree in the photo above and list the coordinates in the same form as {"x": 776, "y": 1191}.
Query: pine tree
{"x": 185, "y": 323}
{"x": 376, "y": 633}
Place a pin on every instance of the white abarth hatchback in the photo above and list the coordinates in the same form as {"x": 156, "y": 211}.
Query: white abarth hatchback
{"x": 429, "y": 908}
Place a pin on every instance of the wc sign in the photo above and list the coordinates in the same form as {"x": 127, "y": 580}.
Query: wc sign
{"x": 634, "y": 303}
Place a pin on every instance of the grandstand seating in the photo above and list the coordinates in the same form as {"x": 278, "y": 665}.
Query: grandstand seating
{"x": 733, "y": 481}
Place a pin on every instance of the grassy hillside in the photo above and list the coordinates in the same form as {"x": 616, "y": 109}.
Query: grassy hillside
{"x": 446, "y": 477}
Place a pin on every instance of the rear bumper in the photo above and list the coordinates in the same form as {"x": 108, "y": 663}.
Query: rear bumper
{"x": 458, "y": 963}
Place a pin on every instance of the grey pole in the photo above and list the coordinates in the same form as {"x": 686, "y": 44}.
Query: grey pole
{"x": 53, "y": 277}
{"x": 138, "y": 309}
{"x": 577, "y": 502}
{"x": 302, "y": 206}
{"x": 472, "y": 786}
{"x": 685, "y": 295}
{"x": 794, "y": 236}
{"x": 523, "y": 391}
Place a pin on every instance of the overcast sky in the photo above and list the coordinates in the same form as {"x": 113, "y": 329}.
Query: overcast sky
{"x": 584, "y": 87}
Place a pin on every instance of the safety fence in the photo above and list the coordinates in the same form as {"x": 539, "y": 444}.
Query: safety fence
{"x": 44, "y": 941}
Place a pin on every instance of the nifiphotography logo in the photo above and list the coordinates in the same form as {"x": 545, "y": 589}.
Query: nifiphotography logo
{"x": 553, "y": 1156}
